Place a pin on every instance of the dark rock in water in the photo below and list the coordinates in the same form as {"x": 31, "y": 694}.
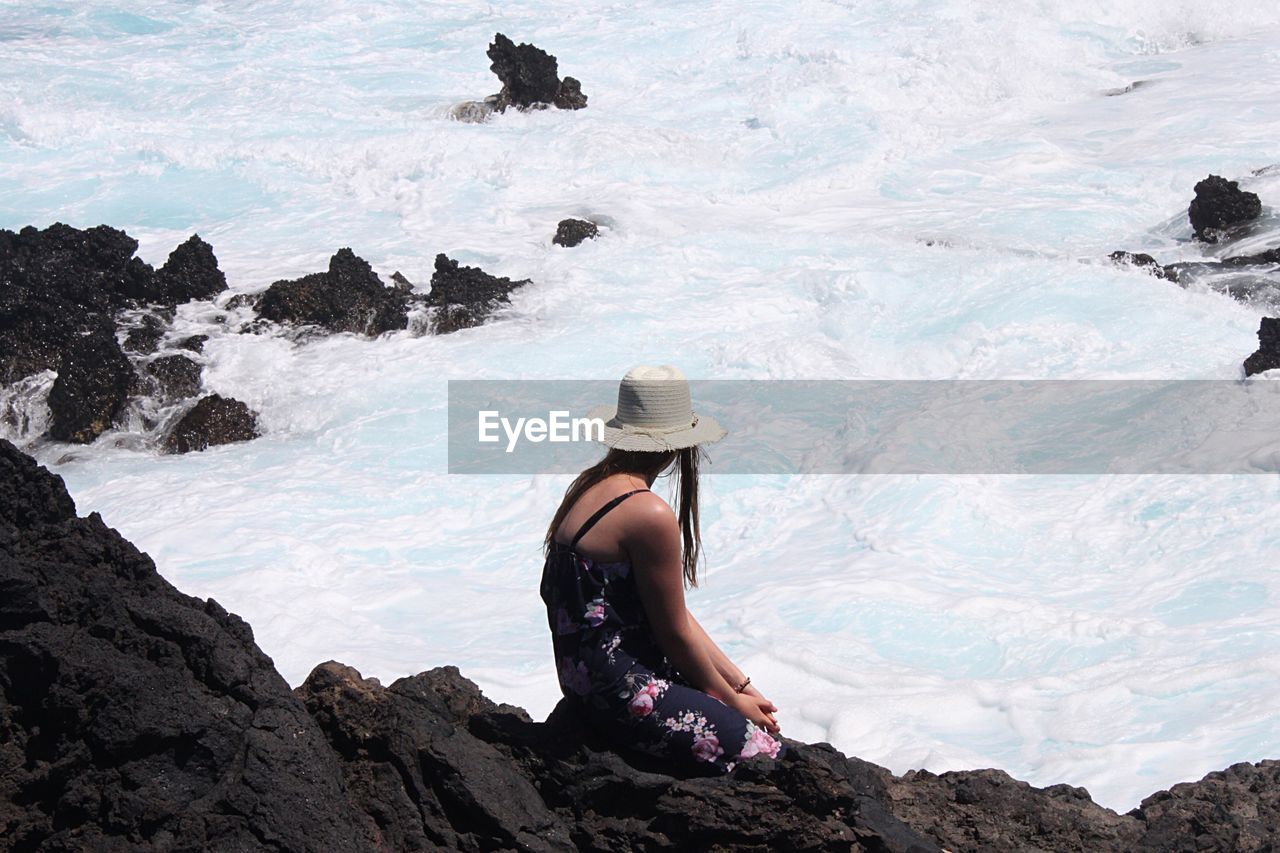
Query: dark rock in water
{"x": 190, "y": 273}
{"x": 94, "y": 381}
{"x": 133, "y": 717}
{"x": 213, "y": 420}
{"x": 144, "y": 338}
{"x": 1218, "y": 205}
{"x": 399, "y": 281}
{"x": 348, "y": 298}
{"x": 177, "y": 376}
{"x": 1136, "y": 84}
{"x": 530, "y": 78}
{"x": 243, "y": 300}
{"x": 57, "y": 284}
{"x": 571, "y": 232}
{"x": 1143, "y": 261}
{"x": 465, "y": 296}
{"x": 1268, "y": 355}
{"x": 570, "y": 96}
{"x": 194, "y": 343}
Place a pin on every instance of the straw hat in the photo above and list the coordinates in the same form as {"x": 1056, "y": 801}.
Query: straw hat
{"x": 655, "y": 412}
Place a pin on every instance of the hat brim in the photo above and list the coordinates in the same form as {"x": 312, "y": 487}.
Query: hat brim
{"x": 619, "y": 436}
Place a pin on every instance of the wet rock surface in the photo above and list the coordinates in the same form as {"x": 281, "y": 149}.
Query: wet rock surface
{"x": 1218, "y": 205}
{"x": 462, "y": 297}
{"x": 348, "y": 297}
{"x": 530, "y": 79}
{"x": 176, "y": 376}
{"x": 95, "y": 379}
{"x": 134, "y": 717}
{"x": 213, "y": 420}
{"x": 571, "y": 232}
{"x": 1268, "y": 355}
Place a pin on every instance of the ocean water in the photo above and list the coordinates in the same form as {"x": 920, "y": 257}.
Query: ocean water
{"x": 802, "y": 190}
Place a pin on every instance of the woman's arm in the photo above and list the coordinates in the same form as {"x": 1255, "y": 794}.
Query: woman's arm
{"x": 726, "y": 667}
{"x": 734, "y": 675}
{"x": 653, "y": 544}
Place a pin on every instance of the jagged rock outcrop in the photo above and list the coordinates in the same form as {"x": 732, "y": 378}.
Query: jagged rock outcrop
{"x": 133, "y": 717}
{"x": 211, "y": 421}
{"x": 1218, "y": 205}
{"x": 190, "y": 273}
{"x": 571, "y": 232}
{"x": 348, "y": 297}
{"x": 530, "y": 78}
{"x": 94, "y": 381}
{"x": 462, "y": 297}
{"x": 61, "y": 290}
{"x": 136, "y": 718}
{"x": 1268, "y": 355}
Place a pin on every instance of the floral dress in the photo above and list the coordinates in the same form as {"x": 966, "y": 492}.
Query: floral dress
{"x": 611, "y": 666}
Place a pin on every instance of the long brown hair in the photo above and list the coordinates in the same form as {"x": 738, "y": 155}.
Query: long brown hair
{"x": 647, "y": 464}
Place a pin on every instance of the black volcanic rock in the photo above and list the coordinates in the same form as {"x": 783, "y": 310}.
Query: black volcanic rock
{"x": 465, "y": 296}
{"x": 349, "y": 297}
{"x": 1142, "y": 261}
{"x": 211, "y": 421}
{"x": 144, "y": 338}
{"x": 136, "y": 718}
{"x": 191, "y": 272}
{"x": 1268, "y": 355}
{"x": 571, "y": 232}
{"x": 193, "y": 343}
{"x": 176, "y": 375}
{"x": 94, "y": 381}
{"x": 1219, "y": 204}
{"x": 57, "y": 284}
{"x": 530, "y": 78}
{"x": 133, "y": 717}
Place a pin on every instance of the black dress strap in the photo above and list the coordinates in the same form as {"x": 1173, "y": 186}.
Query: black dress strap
{"x": 599, "y": 514}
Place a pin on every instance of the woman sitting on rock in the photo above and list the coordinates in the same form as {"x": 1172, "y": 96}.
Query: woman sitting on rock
{"x": 630, "y": 656}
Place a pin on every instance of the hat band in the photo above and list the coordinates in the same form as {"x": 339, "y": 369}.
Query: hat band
{"x": 657, "y": 431}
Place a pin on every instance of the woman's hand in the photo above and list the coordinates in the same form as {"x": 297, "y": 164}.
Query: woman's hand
{"x": 759, "y": 710}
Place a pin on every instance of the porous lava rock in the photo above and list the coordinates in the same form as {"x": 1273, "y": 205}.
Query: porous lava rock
{"x": 136, "y": 718}
{"x": 145, "y": 337}
{"x": 213, "y": 420}
{"x": 58, "y": 284}
{"x": 133, "y": 717}
{"x": 1218, "y": 205}
{"x": 1268, "y": 355}
{"x": 61, "y": 292}
{"x": 571, "y": 232}
{"x": 94, "y": 381}
{"x": 348, "y": 297}
{"x": 190, "y": 273}
{"x": 462, "y": 297}
{"x": 176, "y": 375}
{"x": 530, "y": 78}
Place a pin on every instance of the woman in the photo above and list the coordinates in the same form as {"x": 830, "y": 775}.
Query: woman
{"x": 629, "y": 655}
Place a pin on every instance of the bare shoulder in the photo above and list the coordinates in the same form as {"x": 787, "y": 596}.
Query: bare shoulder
{"x": 649, "y": 509}
{"x": 649, "y": 520}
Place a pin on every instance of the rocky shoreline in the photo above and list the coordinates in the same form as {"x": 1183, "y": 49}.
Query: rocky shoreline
{"x": 134, "y": 717}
